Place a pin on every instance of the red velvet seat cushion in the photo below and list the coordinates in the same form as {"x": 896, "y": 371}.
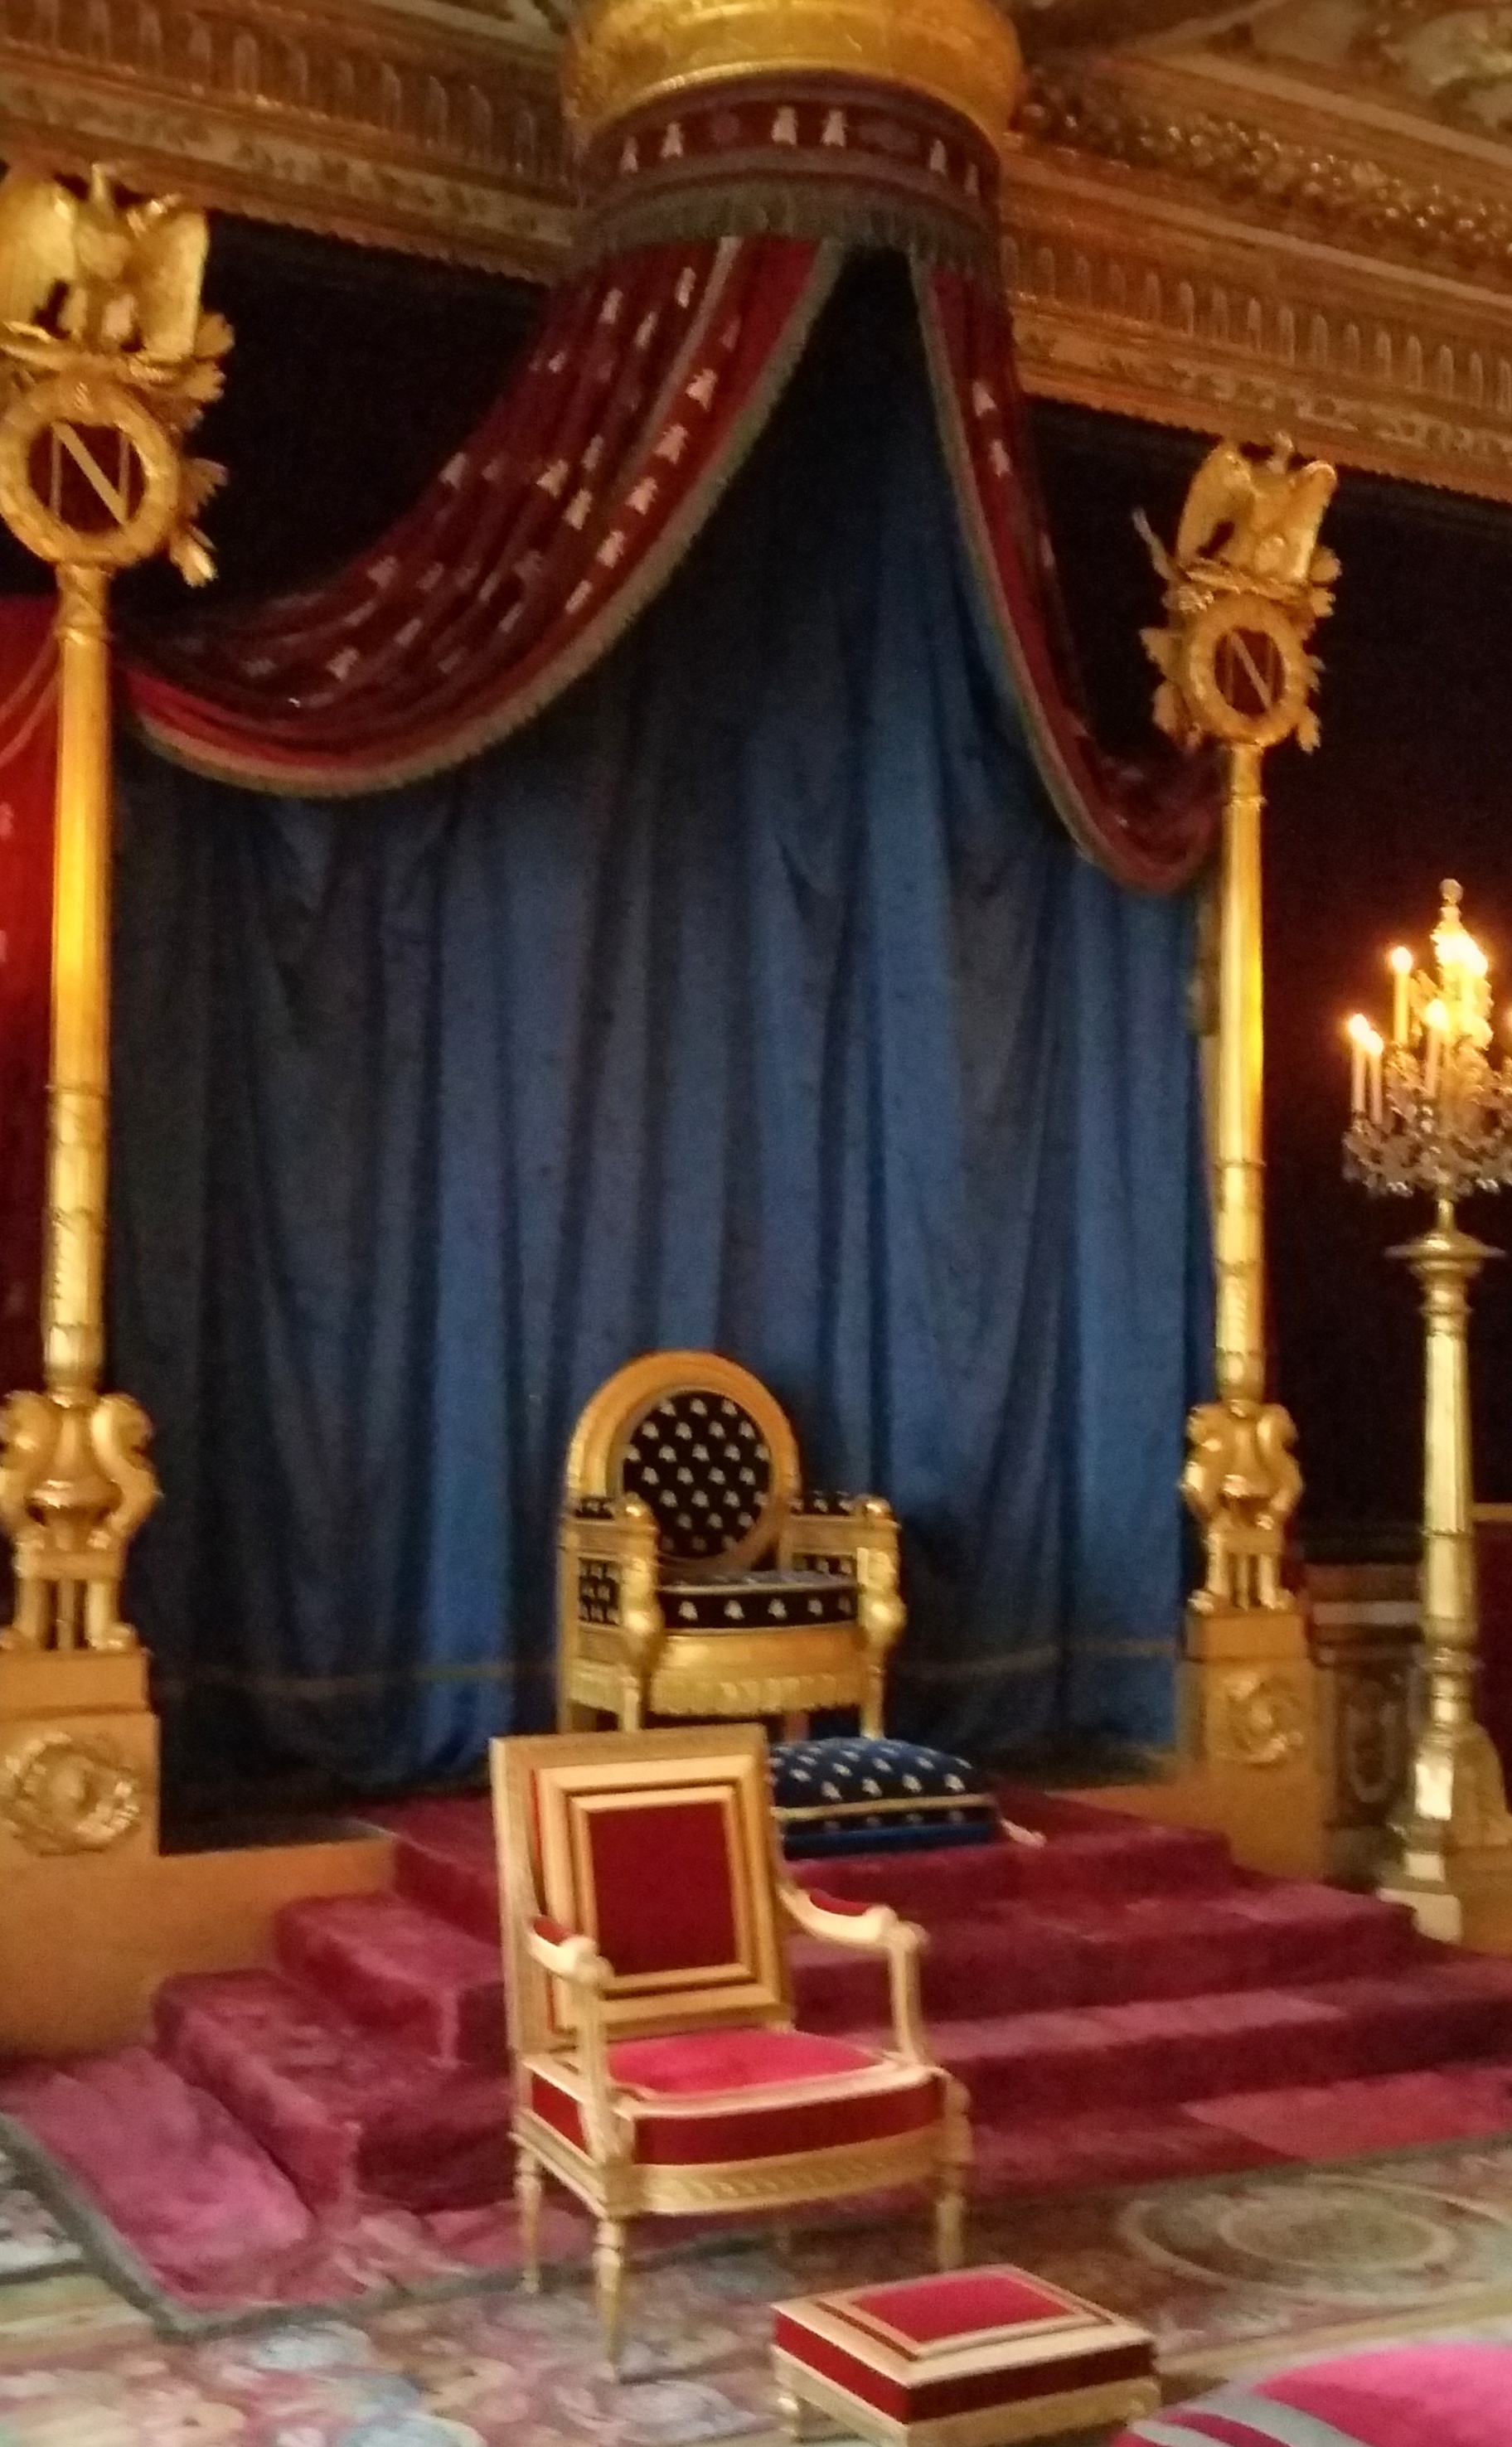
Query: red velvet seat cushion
{"x": 705, "y": 2097}
{"x": 1399, "y": 2396}
{"x": 692, "y": 2062}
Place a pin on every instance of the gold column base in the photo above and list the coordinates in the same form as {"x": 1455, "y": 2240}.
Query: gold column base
{"x": 1453, "y": 1863}
{"x": 78, "y": 1772}
{"x": 1248, "y": 1694}
{"x": 1364, "y": 1621}
{"x": 1248, "y": 1762}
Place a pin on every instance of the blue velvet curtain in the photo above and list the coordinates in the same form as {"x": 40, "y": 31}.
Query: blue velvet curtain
{"x": 752, "y": 999}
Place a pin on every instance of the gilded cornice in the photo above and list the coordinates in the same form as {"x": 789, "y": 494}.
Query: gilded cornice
{"x": 1148, "y": 306}
{"x": 423, "y": 125}
{"x": 1193, "y": 239}
{"x": 1360, "y": 179}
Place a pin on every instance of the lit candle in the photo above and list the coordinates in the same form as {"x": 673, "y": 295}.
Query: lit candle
{"x": 1360, "y": 1033}
{"x": 1435, "y": 1020}
{"x": 1401, "y": 972}
{"x": 1374, "y": 1048}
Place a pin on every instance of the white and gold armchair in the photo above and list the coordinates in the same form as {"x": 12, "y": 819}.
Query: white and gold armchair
{"x": 656, "y": 2068}
{"x": 695, "y": 1577}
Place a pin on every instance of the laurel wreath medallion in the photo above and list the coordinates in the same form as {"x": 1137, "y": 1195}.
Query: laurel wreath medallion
{"x": 60, "y": 1795}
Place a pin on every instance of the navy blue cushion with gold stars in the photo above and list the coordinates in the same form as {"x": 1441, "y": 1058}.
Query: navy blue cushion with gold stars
{"x": 863, "y": 1793}
{"x": 702, "y": 1465}
{"x": 758, "y": 1602}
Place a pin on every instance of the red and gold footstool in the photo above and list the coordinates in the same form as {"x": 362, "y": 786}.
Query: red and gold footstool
{"x": 973, "y": 2358}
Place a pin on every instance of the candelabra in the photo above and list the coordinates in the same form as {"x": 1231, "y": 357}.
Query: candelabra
{"x": 1431, "y": 1111}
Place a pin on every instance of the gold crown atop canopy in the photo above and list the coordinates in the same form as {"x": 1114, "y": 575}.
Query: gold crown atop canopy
{"x": 624, "y": 54}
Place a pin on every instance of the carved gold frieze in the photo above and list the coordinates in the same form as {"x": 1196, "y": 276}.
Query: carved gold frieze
{"x": 397, "y": 127}
{"x": 1132, "y": 302}
{"x": 1198, "y": 233}
{"x": 1394, "y": 198}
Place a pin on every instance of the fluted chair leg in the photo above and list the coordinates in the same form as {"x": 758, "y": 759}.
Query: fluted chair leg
{"x": 950, "y": 2202}
{"x": 527, "y": 2200}
{"x": 608, "y": 2284}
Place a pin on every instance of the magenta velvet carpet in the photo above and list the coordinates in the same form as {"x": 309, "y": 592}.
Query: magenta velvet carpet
{"x": 1123, "y": 2006}
{"x": 1450, "y": 2395}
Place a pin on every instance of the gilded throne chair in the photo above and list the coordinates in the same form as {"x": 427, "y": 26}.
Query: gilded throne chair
{"x": 656, "y": 2069}
{"x": 696, "y": 1579}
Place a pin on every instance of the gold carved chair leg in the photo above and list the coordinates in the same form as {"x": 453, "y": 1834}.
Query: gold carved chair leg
{"x": 527, "y": 2199}
{"x": 608, "y": 2284}
{"x": 950, "y": 2204}
{"x": 950, "y": 2198}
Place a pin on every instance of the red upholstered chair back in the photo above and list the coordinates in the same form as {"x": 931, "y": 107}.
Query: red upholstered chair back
{"x": 659, "y": 1848}
{"x": 704, "y": 1448}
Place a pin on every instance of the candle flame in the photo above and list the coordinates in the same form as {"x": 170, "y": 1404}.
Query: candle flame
{"x": 1437, "y": 1013}
{"x": 1402, "y": 961}
{"x": 1360, "y": 1031}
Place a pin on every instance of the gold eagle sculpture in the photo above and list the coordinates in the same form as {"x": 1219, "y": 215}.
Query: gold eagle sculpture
{"x": 130, "y": 276}
{"x": 102, "y": 298}
{"x": 1258, "y": 517}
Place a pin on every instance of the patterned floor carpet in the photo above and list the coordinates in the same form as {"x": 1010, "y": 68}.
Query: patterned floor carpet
{"x": 1243, "y": 2273}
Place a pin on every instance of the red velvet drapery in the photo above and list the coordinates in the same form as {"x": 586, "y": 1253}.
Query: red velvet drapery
{"x": 656, "y": 366}
{"x": 532, "y": 551}
{"x": 27, "y": 753}
{"x": 1150, "y": 827}
{"x": 544, "y": 536}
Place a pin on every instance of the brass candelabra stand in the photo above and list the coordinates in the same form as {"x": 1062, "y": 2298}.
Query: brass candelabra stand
{"x": 1431, "y": 1112}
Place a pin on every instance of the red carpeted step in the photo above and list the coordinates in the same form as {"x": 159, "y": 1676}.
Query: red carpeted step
{"x": 1117, "y": 1857}
{"x": 176, "y": 2175}
{"x": 1023, "y": 1959}
{"x": 1024, "y": 2067}
{"x": 1394, "y": 2110}
{"x": 1455, "y": 2006}
{"x": 1112, "y": 2145}
{"x": 396, "y": 1967}
{"x": 445, "y": 1859}
{"x": 1159, "y": 2051}
{"x": 344, "y": 2111}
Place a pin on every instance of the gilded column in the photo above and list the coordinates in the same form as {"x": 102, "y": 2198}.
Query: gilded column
{"x": 1245, "y": 583}
{"x": 104, "y": 370}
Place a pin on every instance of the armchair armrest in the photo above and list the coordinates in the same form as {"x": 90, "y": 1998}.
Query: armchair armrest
{"x": 871, "y": 1928}
{"x": 575, "y": 1960}
{"x": 608, "y": 1564}
{"x": 566, "y": 1955}
{"x": 608, "y": 1525}
{"x": 856, "y": 1535}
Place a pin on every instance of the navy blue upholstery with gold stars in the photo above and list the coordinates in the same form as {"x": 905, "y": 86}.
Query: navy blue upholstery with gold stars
{"x": 758, "y": 1602}
{"x": 853, "y": 1793}
{"x": 701, "y": 1462}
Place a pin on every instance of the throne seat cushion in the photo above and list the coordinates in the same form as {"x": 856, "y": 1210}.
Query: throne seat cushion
{"x": 760, "y": 1602}
{"x": 699, "y": 2097}
{"x": 864, "y": 1793}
